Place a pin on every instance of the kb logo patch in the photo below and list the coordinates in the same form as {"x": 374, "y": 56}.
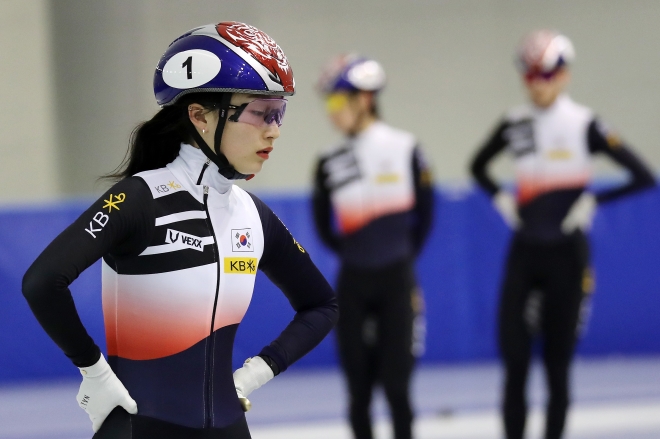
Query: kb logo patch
{"x": 165, "y": 188}
{"x": 241, "y": 265}
{"x": 241, "y": 240}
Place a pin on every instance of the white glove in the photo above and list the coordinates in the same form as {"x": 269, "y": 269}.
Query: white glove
{"x": 506, "y": 205}
{"x": 581, "y": 214}
{"x": 254, "y": 374}
{"x": 101, "y": 391}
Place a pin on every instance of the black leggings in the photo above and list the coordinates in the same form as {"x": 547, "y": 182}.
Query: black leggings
{"x": 374, "y": 333}
{"x": 559, "y": 273}
{"x": 120, "y": 425}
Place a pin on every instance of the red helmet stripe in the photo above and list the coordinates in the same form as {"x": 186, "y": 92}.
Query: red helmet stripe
{"x": 262, "y": 48}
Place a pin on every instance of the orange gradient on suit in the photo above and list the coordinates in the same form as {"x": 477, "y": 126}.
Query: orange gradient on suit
{"x": 530, "y": 187}
{"x": 155, "y": 316}
{"x": 353, "y": 217}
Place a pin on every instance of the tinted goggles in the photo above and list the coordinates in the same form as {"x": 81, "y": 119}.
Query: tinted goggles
{"x": 336, "y": 102}
{"x": 535, "y": 74}
{"x": 260, "y": 112}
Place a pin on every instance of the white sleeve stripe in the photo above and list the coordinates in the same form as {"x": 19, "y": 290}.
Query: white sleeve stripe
{"x": 167, "y": 248}
{"x": 181, "y": 216}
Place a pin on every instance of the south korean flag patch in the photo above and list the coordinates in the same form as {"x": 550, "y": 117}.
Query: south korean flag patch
{"x": 241, "y": 240}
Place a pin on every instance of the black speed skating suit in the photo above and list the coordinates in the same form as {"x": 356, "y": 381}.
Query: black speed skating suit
{"x": 547, "y": 272}
{"x": 373, "y": 205}
{"x": 180, "y": 248}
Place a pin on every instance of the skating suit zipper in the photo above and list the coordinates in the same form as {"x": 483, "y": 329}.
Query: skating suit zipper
{"x": 211, "y": 346}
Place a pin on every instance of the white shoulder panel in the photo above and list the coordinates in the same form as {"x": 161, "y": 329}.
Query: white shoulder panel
{"x": 248, "y": 202}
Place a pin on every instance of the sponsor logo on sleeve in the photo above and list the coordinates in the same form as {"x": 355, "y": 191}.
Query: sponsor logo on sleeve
{"x": 613, "y": 140}
{"x": 100, "y": 219}
{"x": 113, "y": 201}
{"x": 295, "y": 241}
{"x": 425, "y": 178}
{"x": 241, "y": 265}
{"x": 611, "y": 137}
{"x": 300, "y": 247}
{"x": 241, "y": 240}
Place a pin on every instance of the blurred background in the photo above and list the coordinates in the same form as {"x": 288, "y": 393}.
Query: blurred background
{"x": 75, "y": 79}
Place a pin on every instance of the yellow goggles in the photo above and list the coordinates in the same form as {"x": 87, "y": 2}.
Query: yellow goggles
{"x": 335, "y": 102}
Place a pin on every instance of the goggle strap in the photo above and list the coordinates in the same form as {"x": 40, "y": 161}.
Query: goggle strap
{"x": 239, "y": 110}
{"x": 225, "y": 168}
{"x": 273, "y": 115}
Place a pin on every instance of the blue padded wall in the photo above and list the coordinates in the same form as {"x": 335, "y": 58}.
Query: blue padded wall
{"x": 459, "y": 271}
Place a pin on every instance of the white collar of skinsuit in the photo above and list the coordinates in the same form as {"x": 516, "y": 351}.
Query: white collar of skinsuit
{"x": 369, "y": 132}
{"x": 187, "y": 167}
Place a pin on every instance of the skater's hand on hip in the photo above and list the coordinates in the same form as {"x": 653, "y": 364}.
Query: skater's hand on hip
{"x": 580, "y": 215}
{"x": 254, "y": 374}
{"x": 101, "y": 391}
{"x": 505, "y": 203}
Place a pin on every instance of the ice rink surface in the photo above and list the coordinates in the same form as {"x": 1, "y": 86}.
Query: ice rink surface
{"x": 614, "y": 398}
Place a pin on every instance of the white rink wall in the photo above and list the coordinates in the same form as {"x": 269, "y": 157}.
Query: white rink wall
{"x": 77, "y": 76}
{"x": 28, "y": 147}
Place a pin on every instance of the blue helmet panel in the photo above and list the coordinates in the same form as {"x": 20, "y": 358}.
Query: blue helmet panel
{"x": 352, "y": 72}
{"x": 235, "y": 73}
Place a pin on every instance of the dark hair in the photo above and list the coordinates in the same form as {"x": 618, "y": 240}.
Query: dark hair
{"x": 156, "y": 142}
{"x": 375, "y": 109}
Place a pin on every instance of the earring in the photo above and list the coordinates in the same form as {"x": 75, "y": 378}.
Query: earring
{"x": 203, "y": 130}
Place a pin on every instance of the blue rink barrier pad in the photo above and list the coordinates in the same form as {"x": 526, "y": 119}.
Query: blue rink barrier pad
{"x": 460, "y": 271}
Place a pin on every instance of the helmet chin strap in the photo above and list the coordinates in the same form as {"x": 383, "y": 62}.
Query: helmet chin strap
{"x": 225, "y": 168}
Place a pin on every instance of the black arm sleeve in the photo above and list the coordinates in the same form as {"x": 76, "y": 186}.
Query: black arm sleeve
{"x": 289, "y": 267}
{"x": 119, "y": 223}
{"x": 424, "y": 201}
{"x": 602, "y": 141}
{"x": 322, "y": 209}
{"x": 490, "y": 149}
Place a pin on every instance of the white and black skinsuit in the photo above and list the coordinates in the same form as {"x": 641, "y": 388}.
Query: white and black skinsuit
{"x": 180, "y": 248}
{"x": 373, "y": 206}
{"x": 552, "y": 149}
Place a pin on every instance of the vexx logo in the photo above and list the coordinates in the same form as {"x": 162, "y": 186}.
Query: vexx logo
{"x": 184, "y": 240}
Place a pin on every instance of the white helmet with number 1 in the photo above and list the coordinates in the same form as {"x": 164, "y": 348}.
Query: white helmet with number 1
{"x": 225, "y": 57}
